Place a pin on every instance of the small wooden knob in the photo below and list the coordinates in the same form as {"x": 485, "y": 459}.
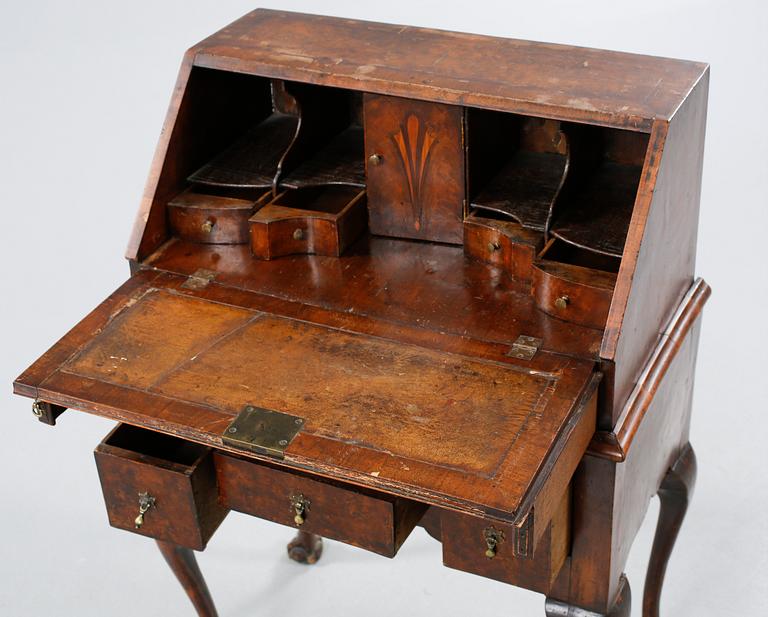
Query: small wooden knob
{"x": 562, "y": 302}
{"x": 375, "y": 159}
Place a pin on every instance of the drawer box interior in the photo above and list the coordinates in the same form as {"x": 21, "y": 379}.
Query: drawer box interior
{"x": 168, "y": 482}
{"x": 374, "y": 521}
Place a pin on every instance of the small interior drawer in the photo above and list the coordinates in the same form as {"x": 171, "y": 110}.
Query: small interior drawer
{"x": 469, "y": 542}
{"x": 319, "y": 220}
{"x": 374, "y": 521}
{"x": 210, "y": 218}
{"x": 574, "y": 284}
{"x": 171, "y": 479}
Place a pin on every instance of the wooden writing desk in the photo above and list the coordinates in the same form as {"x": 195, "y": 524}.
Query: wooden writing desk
{"x": 385, "y": 277}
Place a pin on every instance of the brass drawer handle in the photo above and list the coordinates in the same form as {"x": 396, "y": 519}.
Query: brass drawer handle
{"x": 146, "y": 501}
{"x": 300, "y": 507}
{"x": 493, "y": 537}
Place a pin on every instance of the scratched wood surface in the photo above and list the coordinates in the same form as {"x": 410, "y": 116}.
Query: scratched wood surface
{"x": 561, "y": 81}
{"x": 469, "y": 432}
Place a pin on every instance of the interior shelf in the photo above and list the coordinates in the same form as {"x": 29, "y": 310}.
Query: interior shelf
{"x": 341, "y": 161}
{"x": 525, "y": 188}
{"x": 596, "y": 217}
{"x": 252, "y": 161}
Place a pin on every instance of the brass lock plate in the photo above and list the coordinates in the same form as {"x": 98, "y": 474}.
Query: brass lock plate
{"x": 262, "y": 431}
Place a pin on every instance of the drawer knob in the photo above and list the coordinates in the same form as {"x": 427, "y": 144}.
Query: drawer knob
{"x": 300, "y": 506}
{"x": 375, "y": 159}
{"x": 493, "y": 246}
{"x": 493, "y": 537}
{"x": 562, "y": 302}
{"x": 208, "y": 226}
{"x": 298, "y": 234}
{"x": 146, "y": 501}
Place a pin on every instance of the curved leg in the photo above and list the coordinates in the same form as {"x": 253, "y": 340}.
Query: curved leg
{"x": 675, "y": 493}
{"x": 184, "y": 565}
{"x": 306, "y": 548}
{"x": 622, "y": 607}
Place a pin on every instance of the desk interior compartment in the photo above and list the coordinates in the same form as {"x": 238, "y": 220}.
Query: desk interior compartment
{"x": 169, "y": 482}
{"x": 367, "y": 519}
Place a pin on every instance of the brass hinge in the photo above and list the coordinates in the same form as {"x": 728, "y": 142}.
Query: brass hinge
{"x": 199, "y": 279}
{"x": 525, "y": 347}
{"x": 262, "y": 431}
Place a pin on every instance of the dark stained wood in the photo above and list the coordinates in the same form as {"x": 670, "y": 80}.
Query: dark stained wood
{"x": 414, "y": 168}
{"x": 319, "y": 221}
{"x": 464, "y": 548}
{"x": 530, "y": 181}
{"x": 551, "y": 81}
{"x": 306, "y": 548}
{"x": 430, "y": 287}
{"x": 575, "y": 294}
{"x": 179, "y": 476}
{"x": 675, "y": 494}
{"x": 505, "y": 244}
{"x": 340, "y": 162}
{"x": 374, "y": 521}
{"x": 615, "y": 444}
{"x": 509, "y": 347}
{"x": 450, "y": 444}
{"x": 598, "y": 216}
{"x": 659, "y": 257}
{"x": 184, "y": 565}
{"x": 211, "y": 219}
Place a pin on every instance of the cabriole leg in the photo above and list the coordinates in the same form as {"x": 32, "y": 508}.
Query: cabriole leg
{"x": 305, "y": 548}
{"x": 622, "y": 607}
{"x": 184, "y": 565}
{"x": 674, "y": 494}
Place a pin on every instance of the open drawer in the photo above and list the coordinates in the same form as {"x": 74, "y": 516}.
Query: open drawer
{"x": 486, "y": 434}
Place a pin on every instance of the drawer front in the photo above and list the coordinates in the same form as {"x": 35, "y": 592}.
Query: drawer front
{"x": 414, "y": 168}
{"x": 378, "y": 523}
{"x": 503, "y": 244}
{"x": 179, "y": 501}
{"x": 572, "y": 293}
{"x": 474, "y": 545}
{"x": 211, "y": 219}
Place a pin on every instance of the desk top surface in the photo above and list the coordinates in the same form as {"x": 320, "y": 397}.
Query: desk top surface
{"x": 561, "y": 81}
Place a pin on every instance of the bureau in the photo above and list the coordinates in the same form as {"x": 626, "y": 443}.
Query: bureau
{"x": 385, "y": 277}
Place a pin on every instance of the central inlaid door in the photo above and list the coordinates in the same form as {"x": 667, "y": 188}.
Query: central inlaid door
{"x": 415, "y": 168}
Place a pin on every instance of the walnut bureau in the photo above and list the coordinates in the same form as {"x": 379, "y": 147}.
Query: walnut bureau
{"x": 384, "y": 277}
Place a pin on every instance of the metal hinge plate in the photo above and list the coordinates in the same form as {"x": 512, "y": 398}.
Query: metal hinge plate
{"x": 262, "y": 431}
{"x": 199, "y": 279}
{"x": 525, "y": 347}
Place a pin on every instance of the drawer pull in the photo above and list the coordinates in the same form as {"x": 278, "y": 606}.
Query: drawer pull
{"x": 300, "y": 506}
{"x": 493, "y": 537}
{"x": 146, "y": 501}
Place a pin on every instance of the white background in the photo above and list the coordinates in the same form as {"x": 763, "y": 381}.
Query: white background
{"x": 84, "y": 87}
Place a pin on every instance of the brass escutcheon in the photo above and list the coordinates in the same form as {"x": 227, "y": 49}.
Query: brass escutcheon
{"x": 300, "y": 506}
{"x": 493, "y": 537}
{"x": 146, "y": 501}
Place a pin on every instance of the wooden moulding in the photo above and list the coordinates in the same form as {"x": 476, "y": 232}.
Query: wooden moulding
{"x": 320, "y": 221}
{"x": 367, "y": 519}
{"x": 212, "y": 219}
{"x": 177, "y": 474}
{"x": 572, "y": 292}
{"x": 614, "y": 445}
{"x": 505, "y": 244}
